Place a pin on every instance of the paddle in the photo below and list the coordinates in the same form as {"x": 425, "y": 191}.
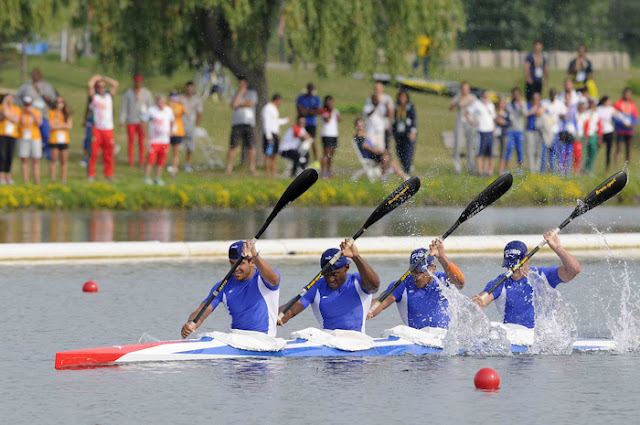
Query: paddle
{"x": 300, "y": 185}
{"x": 607, "y": 189}
{"x": 398, "y": 197}
{"x": 488, "y": 196}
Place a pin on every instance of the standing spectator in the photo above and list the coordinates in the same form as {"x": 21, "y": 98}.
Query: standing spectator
{"x": 592, "y": 134}
{"x": 308, "y": 106}
{"x": 535, "y": 71}
{"x": 44, "y": 96}
{"x": 516, "y": 109}
{"x": 606, "y": 111}
{"x": 463, "y": 131}
{"x": 30, "y": 143}
{"x": 405, "y": 130}
{"x": 331, "y": 118}
{"x": 422, "y": 52}
{"x": 581, "y": 137}
{"x": 568, "y": 127}
{"x": 580, "y": 70}
{"x": 243, "y": 123}
{"x": 482, "y": 115}
{"x": 9, "y": 131}
{"x": 177, "y": 129}
{"x": 533, "y": 136}
{"x": 290, "y": 146}
{"x": 576, "y": 97}
{"x": 375, "y": 151}
{"x": 388, "y": 106}
{"x": 102, "y": 107}
{"x": 88, "y": 133}
{"x": 191, "y": 120}
{"x": 553, "y": 107}
{"x": 374, "y": 114}
{"x": 160, "y": 118}
{"x": 136, "y": 101}
{"x": 502, "y": 127}
{"x": 61, "y": 123}
{"x": 625, "y": 119}
{"x": 271, "y": 123}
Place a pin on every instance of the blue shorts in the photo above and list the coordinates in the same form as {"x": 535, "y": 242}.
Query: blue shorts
{"x": 486, "y": 144}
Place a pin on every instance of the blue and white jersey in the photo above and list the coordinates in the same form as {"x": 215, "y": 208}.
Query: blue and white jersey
{"x": 252, "y": 303}
{"x": 514, "y": 299}
{"x": 422, "y": 307}
{"x": 345, "y": 308}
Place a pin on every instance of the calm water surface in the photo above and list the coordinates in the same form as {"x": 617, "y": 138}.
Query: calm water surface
{"x": 45, "y": 311}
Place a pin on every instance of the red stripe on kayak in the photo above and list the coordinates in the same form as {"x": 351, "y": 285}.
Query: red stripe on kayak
{"x": 100, "y": 356}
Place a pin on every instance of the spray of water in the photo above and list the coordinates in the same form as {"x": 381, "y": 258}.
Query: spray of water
{"x": 147, "y": 338}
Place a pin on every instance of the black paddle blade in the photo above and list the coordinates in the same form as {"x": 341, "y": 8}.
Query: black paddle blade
{"x": 399, "y": 196}
{"x": 488, "y": 196}
{"x": 607, "y": 190}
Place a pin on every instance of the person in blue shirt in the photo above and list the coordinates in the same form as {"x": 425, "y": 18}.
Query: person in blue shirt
{"x": 340, "y": 300}
{"x": 251, "y": 295}
{"x": 514, "y": 297}
{"x": 419, "y": 298}
{"x": 309, "y": 106}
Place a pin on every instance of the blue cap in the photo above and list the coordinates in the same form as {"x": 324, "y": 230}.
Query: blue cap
{"x": 235, "y": 250}
{"x": 514, "y": 252}
{"x": 418, "y": 255}
{"x": 328, "y": 255}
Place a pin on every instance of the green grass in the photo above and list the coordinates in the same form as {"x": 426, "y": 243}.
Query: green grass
{"x": 208, "y": 188}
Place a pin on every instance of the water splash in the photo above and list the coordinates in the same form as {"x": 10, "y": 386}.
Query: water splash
{"x": 148, "y": 338}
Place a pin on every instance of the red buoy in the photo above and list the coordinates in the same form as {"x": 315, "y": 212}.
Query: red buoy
{"x": 90, "y": 286}
{"x": 487, "y": 379}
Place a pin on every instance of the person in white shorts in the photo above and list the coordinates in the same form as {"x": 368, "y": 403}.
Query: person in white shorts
{"x": 160, "y": 118}
{"x": 30, "y": 143}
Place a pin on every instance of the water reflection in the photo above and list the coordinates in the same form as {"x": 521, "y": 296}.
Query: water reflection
{"x": 168, "y": 226}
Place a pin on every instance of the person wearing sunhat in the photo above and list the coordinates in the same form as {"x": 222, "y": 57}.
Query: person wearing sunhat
{"x": 340, "y": 300}
{"x": 251, "y": 295}
{"x": 136, "y": 101}
{"x": 514, "y": 297}
{"x": 419, "y": 298}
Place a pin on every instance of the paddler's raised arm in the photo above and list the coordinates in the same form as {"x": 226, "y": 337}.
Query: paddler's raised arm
{"x": 454, "y": 274}
{"x": 483, "y": 299}
{"x": 370, "y": 280}
{"x": 269, "y": 275}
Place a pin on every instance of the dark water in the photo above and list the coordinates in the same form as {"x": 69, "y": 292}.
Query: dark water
{"x": 168, "y": 226}
{"x": 44, "y": 311}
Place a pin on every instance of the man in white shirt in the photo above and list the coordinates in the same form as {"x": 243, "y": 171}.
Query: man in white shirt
{"x": 271, "y": 123}
{"x": 191, "y": 120}
{"x": 385, "y": 102}
{"x": 102, "y": 106}
{"x": 136, "y": 101}
{"x": 375, "y": 114}
{"x": 160, "y": 118}
{"x": 243, "y": 122}
{"x": 576, "y": 97}
{"x": 290, "y": 145}
{"x": 482, "y": 115}
{"x": 554, "y": 107}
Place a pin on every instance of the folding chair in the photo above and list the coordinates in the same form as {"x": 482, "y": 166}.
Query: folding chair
{"x": 210, "y": 154}
{"x": 303, "y": 150}
{"x": 369, "y": 166}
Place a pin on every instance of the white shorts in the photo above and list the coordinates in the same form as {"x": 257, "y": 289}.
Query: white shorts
{"x": 30, "y": 148}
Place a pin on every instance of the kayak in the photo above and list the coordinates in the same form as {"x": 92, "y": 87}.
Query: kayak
{"x": 211, "y": 348}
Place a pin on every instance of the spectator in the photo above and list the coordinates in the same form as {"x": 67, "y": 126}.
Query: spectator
{"x": 568, "y": 127}
{"x": 533, "y": 136}
{"x": 290, "y": 146}
{"x": 422, "y": 52}
{"x": 576, "y": 97}
{"x": 593, "y": 134}
{"x": 102, "y": 107}
{"x": 44, "y": 97}
{"x": 374, "y": 113}
{"x": 30, "y": 143}
{"x": 582, "y": 118}
{"x": 606, "y": 111}
{"x": 376, "y": 152}
{"x": 553, "y": 107}
{"x": 535, "y": 71}
{"x": 463, "y": 131}
{"x": 271, "y": 123}
{"x": 177, "y": 129}
{"x": 242, "y": 124}
{"x": 502, "y": 127}
{"x": 9, "y": 132}
{"x": 331, "y": 118}
{"x": 625, "y": 119}
{"x": 191, "y": 120}
{"x": 308, "y": 106}
{"x": 405, "y": 130}
{"x": 482, "y": 115}
{"x": 517, "y": 111}
{"x": 136, "y": 101}
{"x": 160, "y": 118}
{"x": 88, "y": 133}
{"x": 387, "y": 103}
{"x": 61, "y": 123}
{"x": 580, "y": 71}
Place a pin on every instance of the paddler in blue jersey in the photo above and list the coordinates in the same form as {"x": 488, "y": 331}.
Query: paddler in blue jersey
{"x": 340, "y": 300}
{"x": 514, "y": 297}
{"x": 419, "y": 298}
{"x": 251, "y": 294}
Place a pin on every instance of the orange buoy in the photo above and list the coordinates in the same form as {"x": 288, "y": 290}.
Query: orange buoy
{"x": 90, "y": 286}
{"x": 487, "y": 379}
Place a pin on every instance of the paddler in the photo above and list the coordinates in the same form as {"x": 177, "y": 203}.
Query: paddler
{"x": 340, "y": 300}
{"x": 514, "y": 297}
{"x": 251, "y": 294}
{"x": 419, "y": 298}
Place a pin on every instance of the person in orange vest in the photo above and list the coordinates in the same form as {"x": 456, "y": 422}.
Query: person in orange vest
{"x": 9, "y": 131}
{"x": 61, "y": 123}
{"x": 30, "y": 143}
{"x": 177, "y": 129}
